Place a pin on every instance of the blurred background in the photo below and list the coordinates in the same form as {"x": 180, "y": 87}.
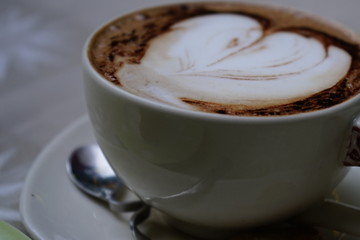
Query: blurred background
{"x": 41, "y": 79}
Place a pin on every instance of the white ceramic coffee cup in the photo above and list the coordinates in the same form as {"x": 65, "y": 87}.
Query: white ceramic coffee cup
{"x": 223, "y": 171}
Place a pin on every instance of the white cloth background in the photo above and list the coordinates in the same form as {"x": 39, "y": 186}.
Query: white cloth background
{"x": 40, "y": 74}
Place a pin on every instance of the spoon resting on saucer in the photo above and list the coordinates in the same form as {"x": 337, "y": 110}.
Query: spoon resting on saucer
{"x": 89, "y": 170}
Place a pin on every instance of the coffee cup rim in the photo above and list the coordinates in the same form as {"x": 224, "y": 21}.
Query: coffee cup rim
{"x": 205, "y": 115}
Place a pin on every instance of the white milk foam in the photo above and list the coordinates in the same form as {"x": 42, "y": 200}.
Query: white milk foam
{"x": 227, "y": 59}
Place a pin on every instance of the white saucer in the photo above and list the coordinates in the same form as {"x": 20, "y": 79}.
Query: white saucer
{"x": 52, "y": 208}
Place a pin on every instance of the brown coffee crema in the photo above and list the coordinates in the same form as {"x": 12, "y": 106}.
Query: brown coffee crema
{"x": 125, "y": 41}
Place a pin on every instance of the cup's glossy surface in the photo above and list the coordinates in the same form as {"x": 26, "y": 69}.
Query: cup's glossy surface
{"x": 215, "y": 170}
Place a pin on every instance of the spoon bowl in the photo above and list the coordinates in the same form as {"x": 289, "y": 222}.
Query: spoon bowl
{"x": 89, "y": 170}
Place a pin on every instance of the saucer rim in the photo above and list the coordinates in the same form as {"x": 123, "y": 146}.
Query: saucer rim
{"x": 31, "y": 175}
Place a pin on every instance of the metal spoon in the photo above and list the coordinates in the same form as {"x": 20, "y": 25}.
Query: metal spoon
{"x": 89, "y": 170}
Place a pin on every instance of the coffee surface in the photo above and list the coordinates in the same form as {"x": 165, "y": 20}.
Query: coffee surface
{"x": 230, "y": 58}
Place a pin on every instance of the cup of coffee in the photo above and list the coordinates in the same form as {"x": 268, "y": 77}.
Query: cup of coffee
{"x": 225, "y": 115}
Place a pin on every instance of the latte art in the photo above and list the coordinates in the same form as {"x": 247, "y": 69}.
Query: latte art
{"x": 229, "y": 59}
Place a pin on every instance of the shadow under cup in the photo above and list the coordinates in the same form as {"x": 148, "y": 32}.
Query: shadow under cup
{"x": 218, "y": 171}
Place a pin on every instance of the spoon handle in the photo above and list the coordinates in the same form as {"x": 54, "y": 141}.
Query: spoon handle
{"x": 139, "y": 217}
{"x": 119, "y": 207}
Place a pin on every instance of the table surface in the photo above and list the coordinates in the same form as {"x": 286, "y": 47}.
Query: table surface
{"x": 41, "y": 80}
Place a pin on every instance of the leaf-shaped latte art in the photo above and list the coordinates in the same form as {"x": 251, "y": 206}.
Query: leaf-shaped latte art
{"x": 228, "y": 59}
